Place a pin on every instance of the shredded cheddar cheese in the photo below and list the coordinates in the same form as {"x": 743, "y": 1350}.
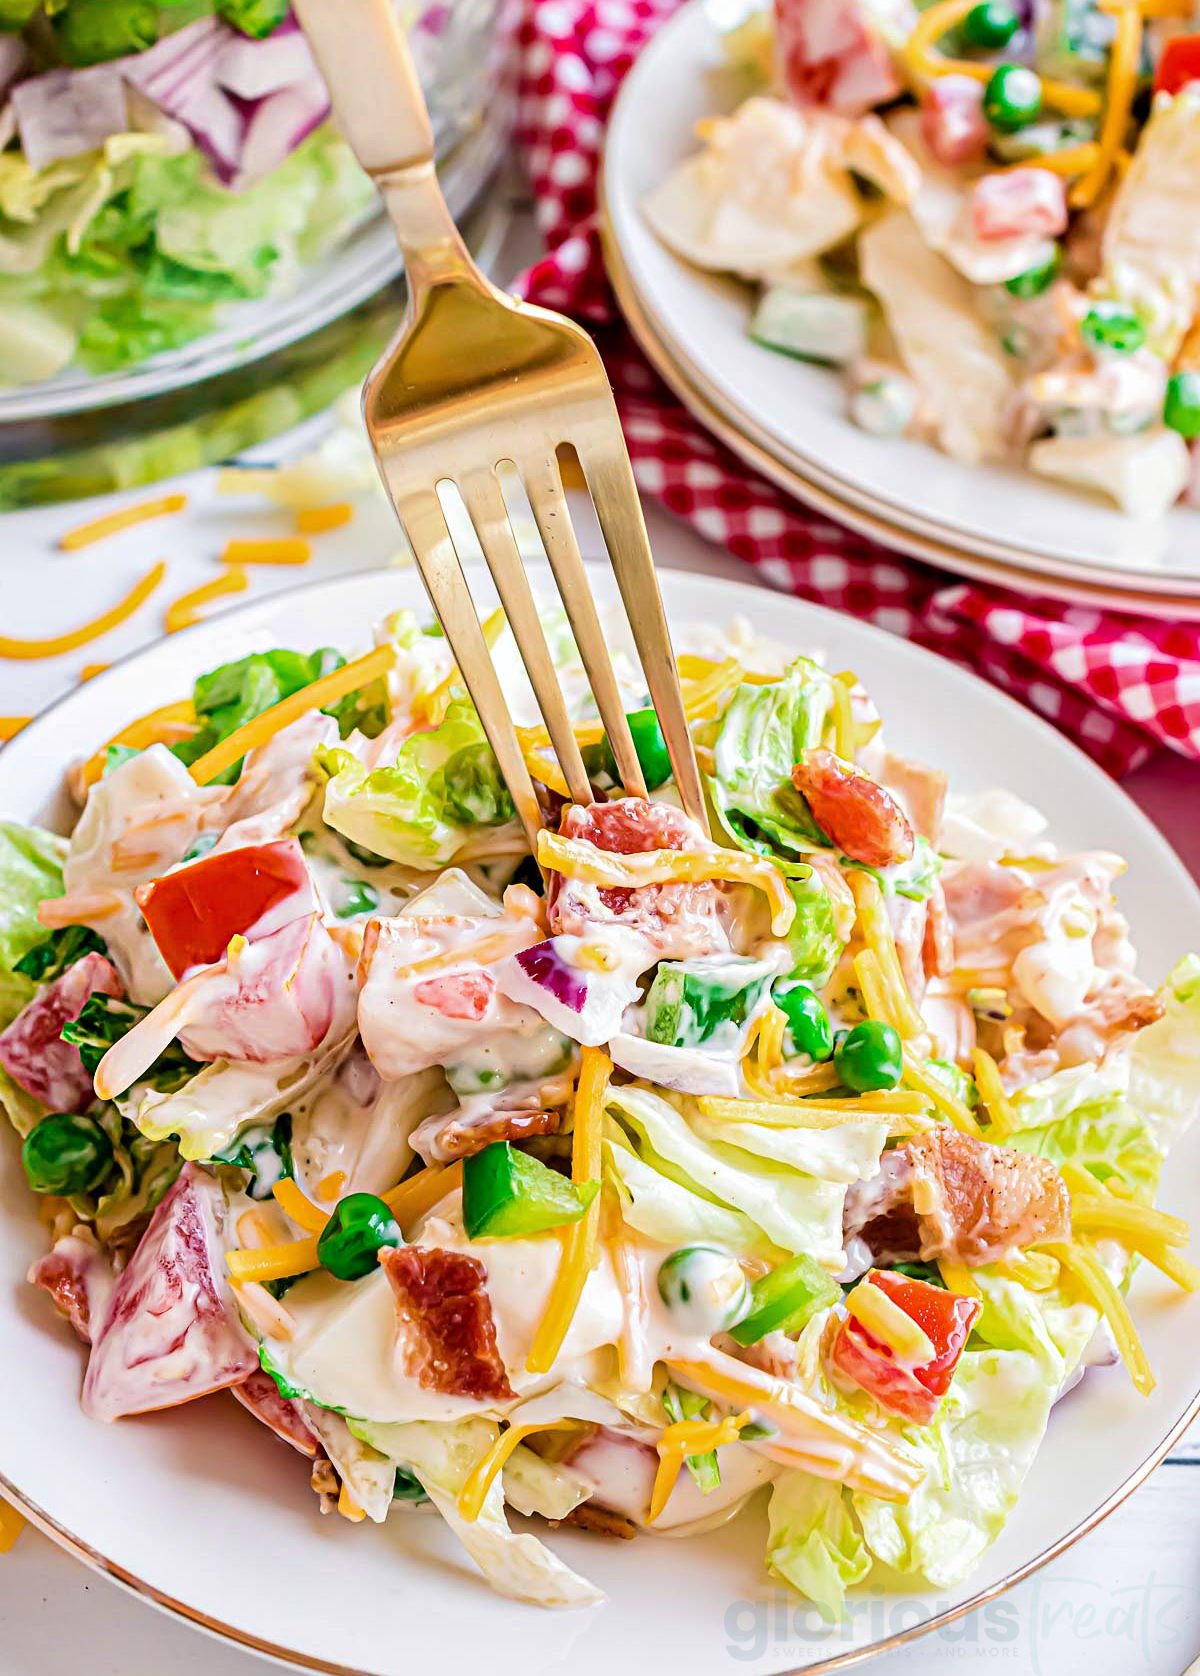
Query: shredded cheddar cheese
{"x": 684, "y": 1438}
{"x": 1123, "y": 64}
{"x": 844, "y": 741}
{"x": 434, "y": 703}
{"x": 319, "y": 520}
{"x": 1102, "y": 1214}
{"x": 544, "y": 768}
{"x": 885, "y": 1320}
{"x": 924, "y": 61}
{"x": 273, "y": 1262}
{"x": 918, "y": 1075}
{"x": 1081, "y": 1262}
{"x": 332, "y": 1186}
{"x": 418, "y": 1195}
{"x": 799, "y": 1114}
{"x": 483, "y": 1474}
{"x": 1071, "y": 160}
{"x": 877, "y": 935}
{"x": 958, "y": 1278}
{"x": 326, "y": 690}
{"x": 171, "y": 722}
{"x": 577, "y": 859}
{"x": 12, "y": 1524}
{"x": 1002, "y": 1116}
{"x": 349, "y": 1506}
{"x": 266, "y": 1312}
{"x": 10, "y": 726}
{"x": 112, "y": 523}
{"x": 91, "y": 670}
{"x": 278, "y": 550}
{"x": 184, "y": 611}
{"x": 298, "y": 1207}
{"x": 702, "y": 698}
{"x": 580, "y": 1241}
{"x": 1035, "y": 1269}
{"x": 53, "y": 646}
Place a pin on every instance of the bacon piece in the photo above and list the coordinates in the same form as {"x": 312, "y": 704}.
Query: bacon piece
{"x": 78, "y": 1278}
{"x": 831, "y": 53}
{"x": 284, "y": 1415}
{"x": 680, "y": 921}
{"x": 953, "y": 125}
{"x": 937, "y": 949}
{"x": 856, "y": 815}
{"x": 918, "y": 789}
{"x": 461, "y": 1136}
{"x": 170, "y": 1332}
{"x": 1024, "y": 203}
{"x": 32, "y": 1050}
{"x": 949, "y": 1195}
{"x": 447, "y": 1333}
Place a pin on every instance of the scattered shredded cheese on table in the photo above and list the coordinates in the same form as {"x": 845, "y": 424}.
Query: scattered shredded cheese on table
{"x": 283, "y": 550}
{"x": 112, "y": 523}
{"x": 319, "y": 520}
{"x": 53, "y": 646}
{"x": 186, "y": 610}
{"x": 10, "y": 726}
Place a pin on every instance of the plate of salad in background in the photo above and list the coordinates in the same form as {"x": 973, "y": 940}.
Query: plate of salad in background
{"x": 978, "y": 326}
{"x": 316, "y": 1091}
{"x": 171, "y": 186}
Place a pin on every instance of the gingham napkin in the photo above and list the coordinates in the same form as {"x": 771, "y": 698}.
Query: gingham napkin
{"x": 1120, "y": 686}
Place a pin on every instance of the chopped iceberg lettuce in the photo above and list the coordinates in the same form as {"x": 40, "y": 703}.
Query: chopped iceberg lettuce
{"x": 764, "y": 732}
{"x": 815, "y": 1541}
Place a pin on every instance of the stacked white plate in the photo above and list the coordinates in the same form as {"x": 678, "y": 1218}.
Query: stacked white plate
{"x": 788, "y": 419}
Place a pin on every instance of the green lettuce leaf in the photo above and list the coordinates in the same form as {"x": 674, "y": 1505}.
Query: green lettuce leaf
{"x": 796, "y": 1212}
{"x": 420, "y": 809}
{"x": 815, "y": 1542}
{"x": 30, "y": 871}
{"x": 813, "y": 941}
{"x": 1164, "y": 1066}
{"x": 662, "y": 1209}
{"x": 763, "y": 733}
{"x": 914, "y": 878}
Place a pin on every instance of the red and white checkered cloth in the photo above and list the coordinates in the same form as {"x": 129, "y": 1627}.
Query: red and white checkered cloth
{"x": 1121, "y": 686}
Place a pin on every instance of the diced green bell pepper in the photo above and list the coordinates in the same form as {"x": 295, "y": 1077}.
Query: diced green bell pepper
{"x": 786, "y": 1299}
{"x": 690, "y": 999}
{"x": 510, "y": 1195}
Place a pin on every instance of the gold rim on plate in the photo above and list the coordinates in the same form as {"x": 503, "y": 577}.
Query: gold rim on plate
{"x": 821, "y": 492}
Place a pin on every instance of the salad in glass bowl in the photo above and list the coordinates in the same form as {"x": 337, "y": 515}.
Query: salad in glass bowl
{"x": 163, "y": 159}
{"x": 611, "y": 1183}
{"x": 983, "y": 214}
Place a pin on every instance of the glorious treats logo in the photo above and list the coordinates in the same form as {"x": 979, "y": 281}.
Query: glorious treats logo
{"x": 1056, "y": 1625}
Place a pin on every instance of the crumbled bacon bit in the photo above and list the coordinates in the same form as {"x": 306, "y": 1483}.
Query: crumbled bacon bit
{"x": 937, "y": 948}
{"x": 680, "y": 920}
{"x": 860, "y": 818}
{"x": 951, "y": 1196}
{"x": 447, "y": 1333}
{"x": 599, "y": 1519}
{"x": 463, "y": 1137}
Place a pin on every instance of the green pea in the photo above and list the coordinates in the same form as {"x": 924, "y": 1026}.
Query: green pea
{"x": 94, "y": 31}
{"x": 359, "y": 1228}
{"x": 1012, "y": 98}
{"x": 66, "y": 1154}
{"x": 868, "y": 1057}
{"x": 651, "y": 747}
{"x": 990, "y": 25}
{"x": 704, "y": 1288}
{"x": 1181, "y": 409}
{"x": 808, "y": 1021}
{"x": 1112, "y": 326}
{"x": 357, "y": 898}
{"x": 1038, "y": 279}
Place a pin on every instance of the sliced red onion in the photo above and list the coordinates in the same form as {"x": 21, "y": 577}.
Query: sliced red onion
{"x": 253, "y": 69}
{"x": 279, "y": 125}
{"x": 13, "y": 60}
{"x": 546, "y": 966}
{"x": 180, "y": 53}
{"x": 67, "y": 112}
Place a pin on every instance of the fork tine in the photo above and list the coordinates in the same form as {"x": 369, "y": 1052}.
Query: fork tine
{"x": 543, "y": 485}
{"x": 425, "y": 525}
{"x": 484, "y": 502}
{"x": 614, "y": 492}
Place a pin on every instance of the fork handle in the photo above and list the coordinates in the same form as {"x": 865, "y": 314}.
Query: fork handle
{"x": 380, "y": 109}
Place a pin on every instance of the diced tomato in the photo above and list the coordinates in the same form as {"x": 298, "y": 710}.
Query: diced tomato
{"x": 946, "y": 1320}
{"x": 1025, "y": 203}
{"x": 1178, "y": 65}
{"x": 458, "y": 995}
{"x": 32, "y": 1050}
{"x": 195, "y": 910}
{"x": 953, "y": 125}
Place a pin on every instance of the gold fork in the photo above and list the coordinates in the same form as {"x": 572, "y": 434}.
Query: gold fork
{"x": 477, "y": 380}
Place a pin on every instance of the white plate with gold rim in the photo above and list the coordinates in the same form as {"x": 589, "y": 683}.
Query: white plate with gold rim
{"x": 200, "y": 1511}
{"x": 798, "y": 409}
{"x": 830, "y": 497}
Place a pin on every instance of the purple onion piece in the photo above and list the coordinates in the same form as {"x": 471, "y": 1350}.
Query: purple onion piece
{"x": 544, "y": 965}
